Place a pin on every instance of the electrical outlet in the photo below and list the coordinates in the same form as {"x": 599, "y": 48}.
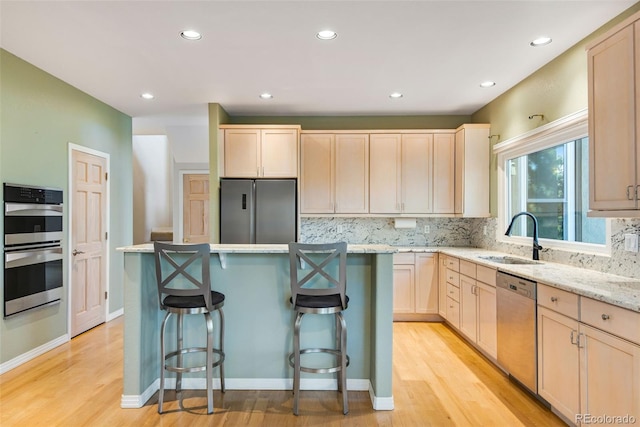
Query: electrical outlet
{"x": 631, "y": 242}
{"x": 339, "y": 229}
{"x": 427, "y": 229}
{"x": 484, "y": 230}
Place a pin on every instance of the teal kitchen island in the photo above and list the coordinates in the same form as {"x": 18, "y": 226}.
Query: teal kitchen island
{"x": 259, "y": 322}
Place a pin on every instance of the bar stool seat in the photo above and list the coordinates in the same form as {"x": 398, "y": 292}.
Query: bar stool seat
{"x": 319, "y": 292}
{"x": 181, "y": 293}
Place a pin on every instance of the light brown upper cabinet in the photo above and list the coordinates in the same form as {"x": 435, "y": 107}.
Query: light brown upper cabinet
{"x": 472, "y": 170}
{"x": 403, "y": 169}
{"x": 334, "y": 173}
{"x": 260, "y": 151}
{"x": 614, "y": 122}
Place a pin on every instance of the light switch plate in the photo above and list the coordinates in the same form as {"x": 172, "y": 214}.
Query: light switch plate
{"x": 631, "y": 242}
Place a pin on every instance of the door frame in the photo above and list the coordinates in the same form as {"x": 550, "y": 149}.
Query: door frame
{"x": 178, "y": 235}
{"x": 69, "y": 202}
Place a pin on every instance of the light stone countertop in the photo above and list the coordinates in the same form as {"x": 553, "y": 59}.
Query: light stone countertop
{"x": 617, "y": 290}
{"x": 265, "y": 249}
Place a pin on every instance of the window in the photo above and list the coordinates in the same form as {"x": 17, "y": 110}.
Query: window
{"x": 546, "y": 173}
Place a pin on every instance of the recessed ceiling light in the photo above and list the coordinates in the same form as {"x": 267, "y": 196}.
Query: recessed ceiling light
{"x": 395, "y": 95}
{"x": 540, "y": 41}
{"x": 190, "y": 35}
{"x": 487, "y": 84}
{"x": 147, "y": 95}
{"x": 266, "y": 95}
{"x": 326, "y": 35}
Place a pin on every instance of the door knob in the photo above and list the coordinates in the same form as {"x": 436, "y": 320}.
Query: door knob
{"x": 76, "y": 252}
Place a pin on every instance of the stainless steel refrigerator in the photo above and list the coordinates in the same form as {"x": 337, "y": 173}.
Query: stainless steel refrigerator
{"x": 258, "y": 211}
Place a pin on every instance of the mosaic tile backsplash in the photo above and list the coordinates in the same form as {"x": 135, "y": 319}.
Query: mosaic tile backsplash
{"x": 469, "y": 232}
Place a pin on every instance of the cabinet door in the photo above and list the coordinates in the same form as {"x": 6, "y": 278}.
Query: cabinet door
{"x": 426, "y": 294}
{"x": 487, "y": 320}
{"x": 316, "y": 173}
{"x": 416, "y": 172}
{"x": 352, "y": 173}
{"x": 609, "y": 374}
{"x": 443, "y": 173}
{"x": 612, "y": 123}
{"x": 558, "y": 362}
{"x": 279, "y": 153}
{"x": 241, "y": 153}
{"x": 442, "y": 285}
{"x": 468, "y": 308}
{"x": 384, "y": 173}
{"x": 403, "y": 288}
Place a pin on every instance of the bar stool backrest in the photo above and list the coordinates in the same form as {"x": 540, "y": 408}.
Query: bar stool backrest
{"x": 175, "y": 273}
{"x": 333, "y": 283}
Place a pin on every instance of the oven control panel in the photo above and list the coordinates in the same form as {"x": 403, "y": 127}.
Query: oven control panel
{"x": 39, "y": 195}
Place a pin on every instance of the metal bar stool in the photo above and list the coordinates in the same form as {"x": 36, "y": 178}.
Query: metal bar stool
{"x": 319, "y": 292}
{"x": 181, "y": 293}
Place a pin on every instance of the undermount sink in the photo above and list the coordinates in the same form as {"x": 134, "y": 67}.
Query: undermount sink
{"x": 509, "y": 260}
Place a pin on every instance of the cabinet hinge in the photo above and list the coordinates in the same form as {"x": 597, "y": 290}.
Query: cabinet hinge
{"x": 106, "y": 235}
{"x": 106, "y": 294}
{"x": 106, "y": 176}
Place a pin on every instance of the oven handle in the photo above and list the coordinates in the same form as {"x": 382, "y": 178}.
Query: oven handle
{"x": 31, "y": 209}
{"x": 31, "y": 257}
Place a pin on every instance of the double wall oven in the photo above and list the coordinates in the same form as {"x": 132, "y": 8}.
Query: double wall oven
{"x": 32, "y": 247}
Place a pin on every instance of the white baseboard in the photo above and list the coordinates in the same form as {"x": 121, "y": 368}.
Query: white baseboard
{"x": 115, "y": 314}
{"x": 380, "y": 403}
{"x": 32, "y": 354}
{"x": 138, "y": 401}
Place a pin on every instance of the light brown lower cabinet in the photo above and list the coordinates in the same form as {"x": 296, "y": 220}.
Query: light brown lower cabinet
{"x": 478, "y": 320}
{"x": 587, "y": 374}
{"x": 415, "y": 286}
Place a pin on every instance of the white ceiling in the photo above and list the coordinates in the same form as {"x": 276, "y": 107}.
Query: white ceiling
{"x": 435, "y": 52}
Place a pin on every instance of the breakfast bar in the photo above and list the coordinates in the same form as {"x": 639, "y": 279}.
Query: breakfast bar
{"x": 259, "y": 322}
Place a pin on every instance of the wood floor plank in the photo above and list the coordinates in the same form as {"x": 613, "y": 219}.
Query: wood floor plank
{"x": 439, "y": 380}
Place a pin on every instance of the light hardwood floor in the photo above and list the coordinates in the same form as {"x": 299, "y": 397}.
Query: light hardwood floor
{"x": 438, "y": 380}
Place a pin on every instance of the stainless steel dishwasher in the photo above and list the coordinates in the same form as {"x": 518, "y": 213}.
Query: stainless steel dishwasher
{"x": 516, "y": 313}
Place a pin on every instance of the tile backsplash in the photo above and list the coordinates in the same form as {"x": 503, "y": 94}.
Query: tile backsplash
{"x": 469, "y": 232}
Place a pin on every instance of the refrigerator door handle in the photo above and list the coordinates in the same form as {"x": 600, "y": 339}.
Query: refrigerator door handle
{"x": 244, "y": 202}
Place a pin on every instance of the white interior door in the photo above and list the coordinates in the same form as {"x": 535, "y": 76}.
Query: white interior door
{"x": 88, "y": 241}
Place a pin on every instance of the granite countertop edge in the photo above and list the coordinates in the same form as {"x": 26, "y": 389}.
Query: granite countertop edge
{"x": 262, "y": 249}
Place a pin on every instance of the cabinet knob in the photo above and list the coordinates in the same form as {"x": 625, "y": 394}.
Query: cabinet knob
{"x": 554, "y": 299}
{"x": 605, "y": 317}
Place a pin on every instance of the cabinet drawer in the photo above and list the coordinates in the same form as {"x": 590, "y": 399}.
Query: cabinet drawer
{"x": 453, "y": 277}
{"x": 468, "y": 268}
{"x": 609, "y": 318}
{"x": 453, "y": 292}
{"x": 403, "y": 258}
{"x": 453, "y": 312}
{"x": 453, "y": 263}
{"x": 486, "y": 275}
{"x": 558, "y": 300}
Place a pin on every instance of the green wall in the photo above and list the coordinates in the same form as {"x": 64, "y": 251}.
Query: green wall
{"x": 217, "y": 116}
{"x": 39, "y": 116}
{"x": 556, "y": 90}
{"x": 357, "y": 122}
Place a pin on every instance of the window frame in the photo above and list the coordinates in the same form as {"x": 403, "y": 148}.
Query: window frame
{"x": 569, "y": 128}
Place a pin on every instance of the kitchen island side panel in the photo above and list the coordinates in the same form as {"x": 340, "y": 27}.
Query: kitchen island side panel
{"x": 259, "y": 322}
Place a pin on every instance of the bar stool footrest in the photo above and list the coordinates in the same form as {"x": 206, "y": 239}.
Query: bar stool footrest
{"x": 328, "y": 370}
{"x": 186, "y": 369}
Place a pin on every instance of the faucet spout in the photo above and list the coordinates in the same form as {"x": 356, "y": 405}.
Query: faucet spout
{"x": 536, "y": 245}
